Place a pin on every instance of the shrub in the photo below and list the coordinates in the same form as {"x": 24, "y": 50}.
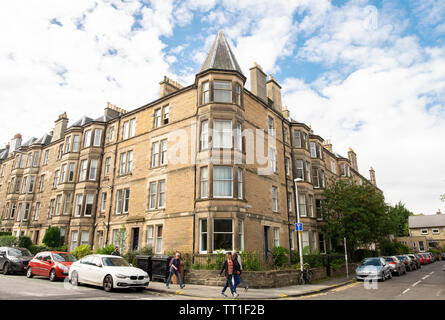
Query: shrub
{"x": 336, "y": 264}
{"x": 130, "y": 256}
{"x": 25, "y": 242}
{"x": 435, "y": 250}
{"x": 36, "y": 249}
{"x": 360, "y": 254}
{"x": 7, "y": 241}
{"x": 81, "y": 251}
{"x": 52, "y": 237}
{"x": 5, "y": 233}
{"x": 280, "y": 256}
{"x": 108, "y": 249}
{"x": 251, "y": 262}
{"x": 314, "y": 260}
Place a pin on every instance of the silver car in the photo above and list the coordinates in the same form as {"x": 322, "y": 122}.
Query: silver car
{"x": 373, "y": 268}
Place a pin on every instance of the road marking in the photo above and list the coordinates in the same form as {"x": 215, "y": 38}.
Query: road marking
{"x": 406, "y": 291}
{"x": 432, "y": 272}
{"x": 439, "y": 292}
{"x": 415, "y": 284}
{"x": 425, "y": 277}
{"x": 283, "y": 295}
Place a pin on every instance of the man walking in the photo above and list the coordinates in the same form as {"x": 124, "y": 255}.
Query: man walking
{"x": 116, "y": 251}
{"x": 175, "y": 268}
{"x": 228, "y": 269}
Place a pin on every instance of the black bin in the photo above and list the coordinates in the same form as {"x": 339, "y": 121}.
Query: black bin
{"x": 144, "y": 263}
{"x": 160, "y": 267}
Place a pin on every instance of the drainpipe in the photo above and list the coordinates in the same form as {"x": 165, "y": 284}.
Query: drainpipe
{"x": 114, "y": 174}
{"x": 287, "y": 193}
{"x": 195, "y": 175}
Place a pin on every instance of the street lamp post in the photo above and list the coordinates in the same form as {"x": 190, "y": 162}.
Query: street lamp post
{"x": 300, "y": 247}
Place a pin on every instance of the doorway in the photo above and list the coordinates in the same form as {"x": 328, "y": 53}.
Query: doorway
{"x": 266, "y": 242}
{"x": 135, "y": 238}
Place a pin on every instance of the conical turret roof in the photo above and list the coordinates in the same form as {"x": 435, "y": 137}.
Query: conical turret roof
{"x": 220, "y": 56}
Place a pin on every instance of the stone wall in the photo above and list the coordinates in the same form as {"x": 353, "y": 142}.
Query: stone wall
{"x": 261, "y": 279}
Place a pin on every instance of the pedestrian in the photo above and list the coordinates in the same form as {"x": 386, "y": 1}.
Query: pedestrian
{"x": 175, "y": 268}
{"x": 228, "y": 269}
{"x": 116, "y": 251}
{"x": 240, "y": 279}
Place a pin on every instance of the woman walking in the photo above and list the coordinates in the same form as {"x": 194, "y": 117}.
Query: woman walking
{"x": 238, "y": 279}
{"x": 229, "y": 267}
{"x": 175, "y": 268}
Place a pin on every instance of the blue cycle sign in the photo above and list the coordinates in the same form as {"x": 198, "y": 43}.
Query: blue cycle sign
{"x": 299, "y": 227}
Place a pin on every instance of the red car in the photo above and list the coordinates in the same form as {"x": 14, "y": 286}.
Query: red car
{"x": 421, "y": 258}
{"x": 52, "y": 264}
{"x": 427, "y": 258}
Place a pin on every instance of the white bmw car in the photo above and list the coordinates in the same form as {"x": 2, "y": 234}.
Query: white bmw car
{"x": 107, "y": 271}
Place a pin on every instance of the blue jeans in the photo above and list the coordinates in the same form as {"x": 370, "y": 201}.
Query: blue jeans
{"x": 229, "y": 284}
{"x": 237, "y": 278}
{"x": 178, "y": 276}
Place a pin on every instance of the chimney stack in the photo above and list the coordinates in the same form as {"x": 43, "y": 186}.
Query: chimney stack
{"x": 15, "y": 143}
{"x": 258, "y": 82}
{"x": 113, "y": 111}
{"x": 285, "y": 112}
{"x": 438, "y": 211}
{"x": 168, "y": 86}
{"x": 60, "y": 127}
{"x": 372, "y": 176}
{"x": 352, "y": 158}
{"x": 328, "y": 145}
{"x": 274, "y": 93}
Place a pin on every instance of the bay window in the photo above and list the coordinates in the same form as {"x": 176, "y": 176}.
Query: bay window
{"x": 203, "y": 236}
{"x": 204, "y": 182}
{"x": 222, "y": 134}
{"x": 222, "y": 234}
{"x": 222, "y": 91}
{"x": 222, "y": 182}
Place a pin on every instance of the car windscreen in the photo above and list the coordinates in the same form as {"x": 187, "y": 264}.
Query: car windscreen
{"x": 63, "y": 257}
{"x": 18, "y": 252}
{"x": 371, "y": 262}
{"x": 114, "y": 262}
{"x": 401, "y": 258}
{"x": 389, "y": 259}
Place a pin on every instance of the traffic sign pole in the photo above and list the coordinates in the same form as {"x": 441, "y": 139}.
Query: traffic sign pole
{"x": 300, "y": 248}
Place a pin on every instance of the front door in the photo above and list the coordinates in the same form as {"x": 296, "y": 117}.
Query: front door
{"x": 135, "y": 238}
{"x": 266, "y": 241}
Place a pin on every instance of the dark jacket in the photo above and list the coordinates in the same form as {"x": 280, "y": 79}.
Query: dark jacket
{"x": 225, "y": 268}
{"x": 115, "y": 253}
{"x": 176, "y": 263}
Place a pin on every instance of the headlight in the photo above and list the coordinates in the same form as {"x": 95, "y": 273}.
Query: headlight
{"x": 146, "y": 276}
{"x": 63, "y": 268}
{"x": 121, "y": 276}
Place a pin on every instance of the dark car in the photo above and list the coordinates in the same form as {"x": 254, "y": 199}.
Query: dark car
{"x": 436, "y": 256}
{"x": 397, "y": 266}
{"x": 14, "y": 259}
{"x": 416, "y": 260}
{"x": 409, "y": 264}
{"x": 443, "y": 255}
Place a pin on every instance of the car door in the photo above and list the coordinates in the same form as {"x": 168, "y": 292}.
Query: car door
{"x": 84, "y": 270}
{"x": 96, "y": 271}
{"x": 36, "y": 264}
{"x": 45, "y": 265}
{"x": 2, "y": 257}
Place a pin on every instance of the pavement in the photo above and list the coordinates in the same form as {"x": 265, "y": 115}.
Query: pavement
{"x": 209, "y": 292}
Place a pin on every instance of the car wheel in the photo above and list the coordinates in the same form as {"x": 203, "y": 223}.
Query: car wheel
{"x": 140, "y": 289}
{"x": 6, "y": 268}
{"x": 52, "y": 275}
{"x": 29, "y": 273}
{"x": 108, "y": 283}
{"x": 75, "y": 279}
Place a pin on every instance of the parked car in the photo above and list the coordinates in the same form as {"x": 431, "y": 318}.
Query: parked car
{"x": 427, "y": 258}
{"x": 373, "y": 268}
{"x": 409, "y": 264}
{"x": 416, "y": 261}
{"x": 430, "y": 255}
{"x": 52, "y": 264}
{"x": 397, "y": 267}
{"x": 107, "y": 271}
{"x": 443, "y": 256}
{"x": 436, "y": 256}
{"x": 13, "y": 259}
{"x": 421, "y": 258}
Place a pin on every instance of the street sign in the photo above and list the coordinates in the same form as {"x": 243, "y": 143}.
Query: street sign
{"x": 299, "y": 227}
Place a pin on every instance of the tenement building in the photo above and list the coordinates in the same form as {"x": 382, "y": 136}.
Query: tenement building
{"x": 205, "y": 167}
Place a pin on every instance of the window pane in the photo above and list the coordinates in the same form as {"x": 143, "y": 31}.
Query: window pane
{"x": 223, "y": 225}
{"x": 222, "y": 181}
{"x": 222, "y": 241}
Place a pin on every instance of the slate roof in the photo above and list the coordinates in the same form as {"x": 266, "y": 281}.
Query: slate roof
{"x": 46, "y": 139}
{"x": 427, "y": 221}
{"x": 4, "y": 154}
{"x": 220, "y": 56}
{"x": 82, "y": 122}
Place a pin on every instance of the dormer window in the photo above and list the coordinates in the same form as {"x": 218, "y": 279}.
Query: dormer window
{"x": 222, "y": 91}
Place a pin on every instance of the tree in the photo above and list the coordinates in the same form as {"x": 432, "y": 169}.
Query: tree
{"x": 399, "y": 219}
{"x": 357, "y": 212}
{"x": 52, "y": 237}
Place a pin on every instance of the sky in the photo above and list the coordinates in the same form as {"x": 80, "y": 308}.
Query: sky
{"x": 369, "y": 75}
